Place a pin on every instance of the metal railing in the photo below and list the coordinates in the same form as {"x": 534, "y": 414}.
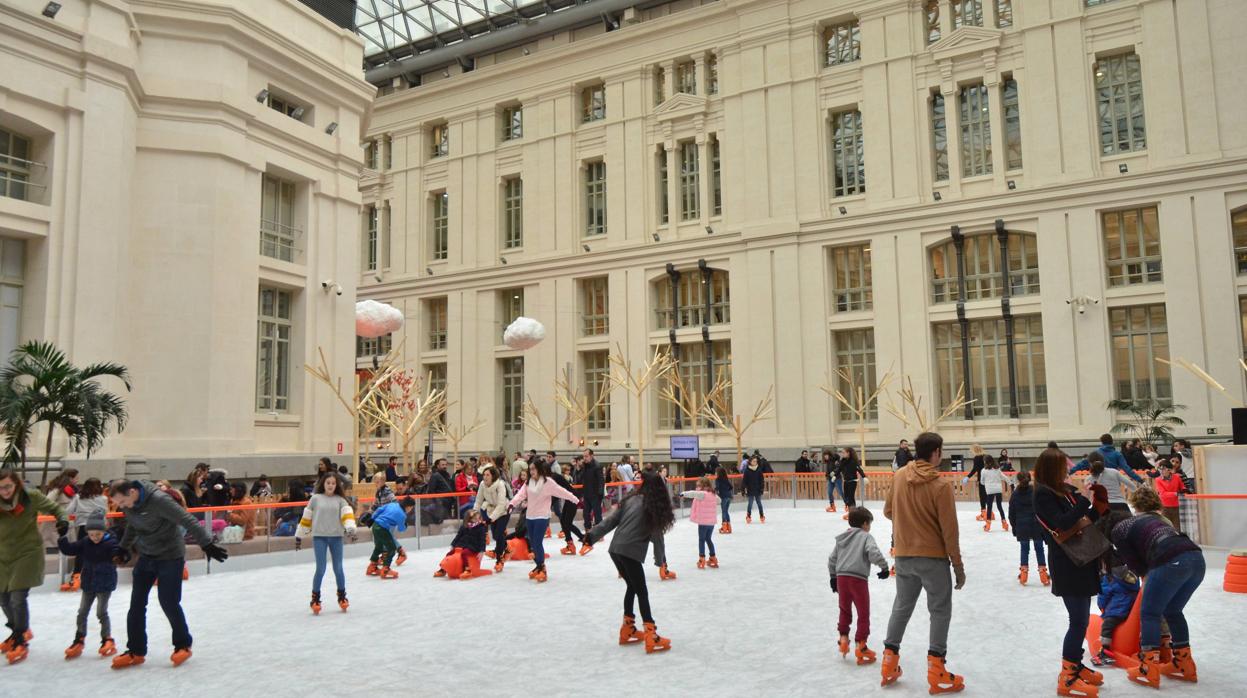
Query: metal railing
{"x": 277, "y": 240}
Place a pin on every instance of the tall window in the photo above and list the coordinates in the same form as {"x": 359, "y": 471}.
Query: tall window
{"x": 436, "y": 312}
{"x": 436, "y": 375}
{"x": 848, "y": 156}
{"x": 983, "y": 274}
{"x": 1140, "y": 336}
{"x": 712, "y": 74}
{"x": 12, "y": 280}
{"x": 851, "y": 278}
{"x": 976, "y": 132}
{"x": 593, "y": 103}
{"x": 15, "y": 166}
{"x": 660, "y": 85}
{"x": 1119, "y": 99}
{"x": 512, "y": 302}
{"x": 843, "y": 43}
{"x": 716, "y": 177}
{"x": 441, "y": 226}
{"x": 373, "y": 346}
{"x": 931, "y": 13}
{"x": 939, "y": 137}
{"x": 1238, "y": 222}
{"x": 1013, "y": 124}
{"x": 277, "y": 230}
{"x": 595, "y": 310}
{"x": 272, "y": 391}
{"x": 1004, "y": 13}
{"x": 371, "y": 242}
{"x": 512, "y": 122}
{"x": 1132, "y": 246}
{"x": 439, "y": 141}
{"x": 595, "y": 198}
{"x": 371, "y": 154}
{"x": 686, "y": 77}
{"x": 694, "y": 293}
{"x": 855, "y": 353}
{"x": 513, "y": 213}
{"x": 988, "y": 384}
{"x": 690, "y": 181}
{"x": 388, "y": 159}
{"x": 597, "y": 380}
{"x": 1242, "y": 321}
{"x": 664, "y": 195}
{"x": 512, "y": 370}
{"x": 967, "y": 13}
{"x": 697, "y": 375}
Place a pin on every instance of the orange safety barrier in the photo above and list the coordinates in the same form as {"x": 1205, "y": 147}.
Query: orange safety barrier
{"x": 1236, "y": 572}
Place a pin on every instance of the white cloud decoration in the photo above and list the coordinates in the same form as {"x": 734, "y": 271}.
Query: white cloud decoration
{"x": 373, "y": 319}
{"x": 524, "y": 333}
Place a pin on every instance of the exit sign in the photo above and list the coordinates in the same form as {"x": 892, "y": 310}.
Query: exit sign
{"x": 1211, "y": 430}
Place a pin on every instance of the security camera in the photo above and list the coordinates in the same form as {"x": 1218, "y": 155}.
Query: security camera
{"x": 339, "y": 290}
{"x": 1082, "y": 310}
{"x": 324, "y": 285}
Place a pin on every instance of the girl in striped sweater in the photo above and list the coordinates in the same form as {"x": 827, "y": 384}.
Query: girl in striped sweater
{"x": 327, "y": 517}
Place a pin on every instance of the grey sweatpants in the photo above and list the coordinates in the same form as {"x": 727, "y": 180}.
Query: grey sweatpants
{"x": 913, "y": 576}
{"x": 100, "y": 599}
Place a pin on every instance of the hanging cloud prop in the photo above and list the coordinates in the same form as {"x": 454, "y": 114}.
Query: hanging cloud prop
{"x": 524, "y": 333}
{"x": 373, "y": 319}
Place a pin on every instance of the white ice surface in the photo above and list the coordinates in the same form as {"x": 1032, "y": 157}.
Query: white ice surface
{"x": 761, "y": 625}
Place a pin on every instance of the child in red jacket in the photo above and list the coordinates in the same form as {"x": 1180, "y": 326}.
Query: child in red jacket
{"x": 1169, "y": 485}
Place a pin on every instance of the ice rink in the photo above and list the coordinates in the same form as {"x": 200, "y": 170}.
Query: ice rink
{"x": 761, "y": 625}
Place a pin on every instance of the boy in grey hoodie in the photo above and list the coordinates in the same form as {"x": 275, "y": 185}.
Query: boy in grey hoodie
{"x": 849, "y": 564}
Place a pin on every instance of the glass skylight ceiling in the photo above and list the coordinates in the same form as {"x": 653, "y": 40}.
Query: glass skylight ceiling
{"x": 392, "y": 29}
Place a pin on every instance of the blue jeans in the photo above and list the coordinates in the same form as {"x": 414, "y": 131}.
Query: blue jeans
{"x": 703, "y": 539}
{"x": 749, "y": 500}
{"x": 1039, "y": 552}
{"x": 1079, "y": 610}
{"x": 839, "y": 484}
{"x": 725, "y": 504}
{"x": 536, "y": 539}
{"x": 1165, "y": 594}
{"x": 146, "y": 572}
{"x": 333, "y": 546}
{"x": 831, "y": 491}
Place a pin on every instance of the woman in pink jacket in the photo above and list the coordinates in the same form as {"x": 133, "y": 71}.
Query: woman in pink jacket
{"x": 538, "y": 490}
{"x": 705, "y": 514}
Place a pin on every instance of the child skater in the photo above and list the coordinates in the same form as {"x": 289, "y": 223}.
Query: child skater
{"x": 468, "y": 543}
{"x": 491, "y": 502}
{"x": 95, "y": 550}
{"x": 641, "y": 518}
{"x": 1026, "y": 528}
{"x": 390, "y": 516}
{"x": 723, "y": 488}
{"x": 992, "y": 482}
{"x": 1118, "y": 590}
{"x": 703, "y": 514}
{"x": 848, "y": 565}
{"x": 384, "y": 495}
{"x": 537, "y": 492}
{"x": 327, "y": 518}
{"x": 88, "y": 500}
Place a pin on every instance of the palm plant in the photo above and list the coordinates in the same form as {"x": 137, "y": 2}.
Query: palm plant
{"x": 40, "y": 385}
{"x": 1148, "y": 419}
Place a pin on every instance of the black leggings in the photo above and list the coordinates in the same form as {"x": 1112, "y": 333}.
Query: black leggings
{"x": 850, "y": 493}
{"x": 1000, "y": 507}
{"x": 498, "y": 529}
{"x": 982, "y": 497}
{"x": 634, "y": 576}
{"x": 567, "y": 521}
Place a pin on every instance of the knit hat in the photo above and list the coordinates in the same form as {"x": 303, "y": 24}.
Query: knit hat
{"x": 95, "y": 521}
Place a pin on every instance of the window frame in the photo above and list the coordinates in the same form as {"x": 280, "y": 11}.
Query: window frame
{"x": 1238, "y": 237}
{"x": 439, "y": 140}
{"x": 595, "y": 199}
{"x": 685, "y": 78}
{"x": 16, "y": 167}
{"x": 593, "y": 103}
{"x": 1140, "y": 269}
{"x": 272, "y": 372}
{"x": 372, "y": 239}
{"x": 852, "y": 282}
{"x": 511, "y": 378}
{"x": 974, "y": 103}
{"x": 931, "y": 21}
{"x": 512, "y": 119}
{"x": 854, "y": 349}
{"x": 595, "y": 376}
{"x": 960, "y": 9}
{"x": 940, "y": 162}
{"x": 848, "y": 154}
{"x": 1155, "y": 373}
{"x": 716, "y": 176}
{"x": 690, "y": 181}
{"x": 439, "y": 226}
{"x": 512, "y": 212}
{"x": 983, "y": 272}
{"x": 1004, "y": 14}
{"x": 595, "y": 306}
{"x": 1116, "y": 138}
{"x": 511, "y": 307}
{"x": 1011, "y": 113}
{"x": 437, "y": 335}
{"x": 990, "y": 355}
{"x": 278, "y": 234}
{"x": 842, "y": 43}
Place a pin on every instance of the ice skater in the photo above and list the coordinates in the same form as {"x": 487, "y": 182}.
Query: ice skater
{"x": 567, "y": 518}
{"x": 327, "y": 518}
{"x": 491, "y": 502}
{"x": 1118, "y": 590}
{"x": 537, "y": 492}
{"x": 848, "y": 565}
{"x": 992, "y": 482}
{"x": 640, "y": 520}
{"x": 705, "y": 501}
{"x": 97, "y": 552}
{"x": 1026, "y": 529}
{"x": 754, "y": 485}
{"x": 850, "y": 471}
{"x": 468, "y": 543}
{"x": 21, "y": 556}
{"x": 723, "y": 488}
{"x": 385, "y": 521}
{"x": 980, "y": 458}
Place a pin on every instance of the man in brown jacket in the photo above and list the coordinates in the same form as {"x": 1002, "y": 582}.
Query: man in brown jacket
{"x": 924, "y": 522}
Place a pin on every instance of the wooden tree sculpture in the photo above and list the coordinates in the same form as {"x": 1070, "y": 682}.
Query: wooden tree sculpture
{"x": 578, "y": 407}
{"x": 362, "y": 398}
{"x": 637, "y": 382}
{"x": 857, "y": 401}
{"x": 719, "y": 412}
{"x": 455, "y": 435}
{"x": 531, "y": 416}
{"x": 1201, "y": 374}
{"x": 691, "y": 404}
{"x": 912, "y": 401}
{"x": 410, "y": 409}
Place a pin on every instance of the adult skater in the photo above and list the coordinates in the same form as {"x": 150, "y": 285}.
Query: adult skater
{"x": 594, "y": 483}
{"x": 850, "y": 471}
{"x": 155, "y": 526}
{"x": 640, "y": 519}
{"x": 1059, "y": 507}
{"x": 831, "y": 471}
{"x": 980, "y": 460}
{"x": 21, "y": 556}
{"x": 538, "y": 491}
{"x": 327, "y": 518}
{"x": 566, "y": 511}
{"x": 923, "y": 512}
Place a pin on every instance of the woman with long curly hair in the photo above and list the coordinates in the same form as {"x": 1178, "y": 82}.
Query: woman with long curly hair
{"x": 641, "y": 519}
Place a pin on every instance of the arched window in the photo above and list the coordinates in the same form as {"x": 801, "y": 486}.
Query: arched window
{"x": 983, "y": 273}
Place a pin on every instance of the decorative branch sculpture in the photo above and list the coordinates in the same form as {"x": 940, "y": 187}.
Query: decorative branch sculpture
{"x": 1201, "y": 374}
{"x": 857, "y": 401}
{"x": 410, "y": 409}
{"x": 578, "y": 408}
{"x": 455, "y": 435}
{"x": 637, "y": 382}
{"x": 913, "y": 401}
{"x": 719, "y": 412}
{"x": 531, "y": 418}
{"x": 363, "y": 394}
{"x": 689, "y": 402}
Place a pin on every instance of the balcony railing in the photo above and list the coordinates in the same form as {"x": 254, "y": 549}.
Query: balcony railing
{"x": 15, "y": 175}
{"x": 277, "y": 240}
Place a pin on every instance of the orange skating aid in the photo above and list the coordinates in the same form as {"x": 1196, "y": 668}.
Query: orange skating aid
{"x": 343, "y": 603}
{"x": 1044, "y": 579}
{"x": 701, "y": 563}
{"x": 373, "y": 569}
{"x": 568, "y": 549}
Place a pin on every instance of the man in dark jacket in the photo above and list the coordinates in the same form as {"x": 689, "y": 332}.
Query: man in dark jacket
{"x": 440, "y": 483}
{"x": 594, "y": 484}
{"x": 803, "y": 463}
{"x": 903, "y": 456}
{"x": 155, "y": 526}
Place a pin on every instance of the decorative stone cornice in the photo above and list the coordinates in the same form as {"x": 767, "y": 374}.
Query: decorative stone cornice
{"x": 681, "y": 105}
{"x": 966, "y": 41}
